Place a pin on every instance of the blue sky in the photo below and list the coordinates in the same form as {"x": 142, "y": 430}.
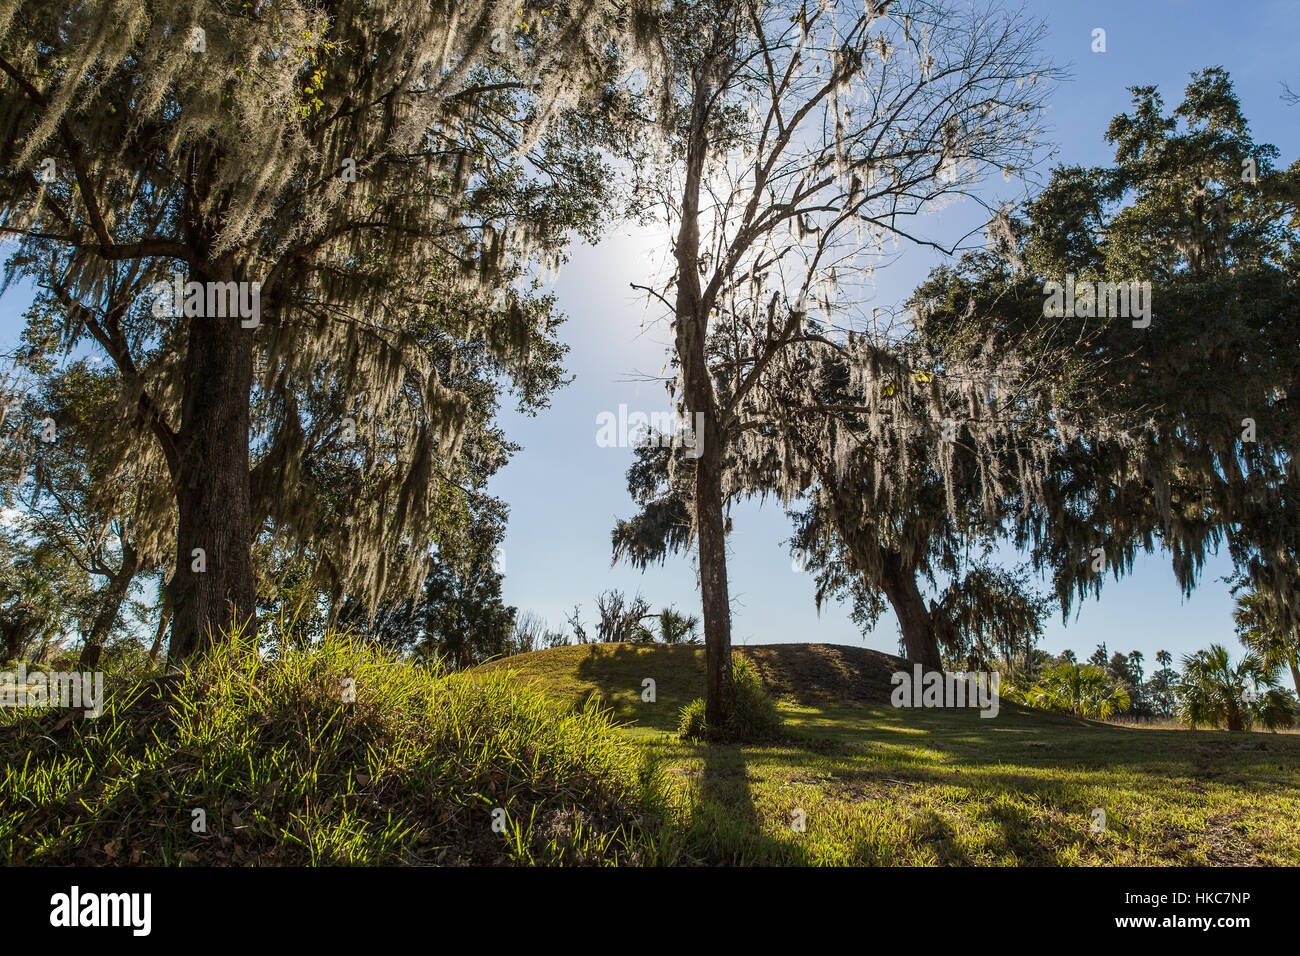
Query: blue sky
{"x": 565, "y": 492}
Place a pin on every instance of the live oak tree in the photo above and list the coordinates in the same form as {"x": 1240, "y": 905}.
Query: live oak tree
{"x": 853, "y": 539}
{"x": 907, "y": 475}
{"x": 1179, "y": 433}
{"x": 331, "y": 174}
{"x": 798, "y": 138}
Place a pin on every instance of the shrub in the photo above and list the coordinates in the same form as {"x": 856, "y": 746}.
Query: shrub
{"x": 691, "y": 724}
{"x": 753, "y": 716}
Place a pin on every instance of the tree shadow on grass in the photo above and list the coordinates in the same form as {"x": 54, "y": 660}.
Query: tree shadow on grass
{"x": 620, "y": 671}
{"x": 939, "y": 834}
{"x": 725, "y": 825}
{"x": 1028, "y": 795}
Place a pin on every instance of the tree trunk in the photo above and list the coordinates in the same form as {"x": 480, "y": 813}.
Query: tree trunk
{"x": 1295, "y": 672}
{"x": 897, "y": 578}
{"x": 164, "y": 618}
{"x": 114, "y": 595}
{"x": 213, "y": 582}
{"x": 914, "y": 619}
{"x": 1235, "y": 723}
{"x": 714, "y": 593}
{"x": 692, "y": 330}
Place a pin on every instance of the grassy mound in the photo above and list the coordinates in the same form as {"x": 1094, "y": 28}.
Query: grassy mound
{"x": 338, "y": 755}
{"x": 615, "y": 675}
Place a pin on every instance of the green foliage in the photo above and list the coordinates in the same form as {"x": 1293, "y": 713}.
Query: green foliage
{"x": 43, "y": 594}
{"x": 1021, "y": 671}
{"x": 677, "y": 628}
{"x": 621, "y": 618}
{"x": 624, "y": 620}
{"x": 753, "y": 712}
{"x": 459, "y": 614}
{"x": 661, "y": 488}
{"x": 288, "y": 772}
{"x": 1263, "y": 630}
{"x": 991, "y": 612}
{"x": 391, "y": 184}
{"x": 1160, "y": 690}
{"x": 1124, "y": 672}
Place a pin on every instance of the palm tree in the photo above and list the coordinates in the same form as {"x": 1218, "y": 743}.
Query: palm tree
{"x": 1212, "y": 692}
{"x": 1080, "y": 689}
{"x": 675, "y": 628}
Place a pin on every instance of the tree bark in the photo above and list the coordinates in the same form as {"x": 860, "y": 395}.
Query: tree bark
{"x": 914, "y": 618}
{"x": 692, "y": 328}
{"x": 897, "y": 578}
{"x": 1235, "y": 721}
{"x": 114, "y": 595}
{"x": 212, "y": 586}
{"x": 1295, "y": 672}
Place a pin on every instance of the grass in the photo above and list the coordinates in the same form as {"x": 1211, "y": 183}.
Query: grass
{"x": 876, "y": 785}
{"x": 281, "y": 769}
{"x": 565, "y": 751}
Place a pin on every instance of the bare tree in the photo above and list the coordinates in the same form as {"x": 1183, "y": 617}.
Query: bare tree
{"x": 574, "y": 620}
{"x": 620, "y": 617}
{"x": 799, "y": 138}
{"x": 528, "y": 633}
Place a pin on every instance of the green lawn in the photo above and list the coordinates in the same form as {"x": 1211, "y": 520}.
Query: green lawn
{"x": 878, "y": 785}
